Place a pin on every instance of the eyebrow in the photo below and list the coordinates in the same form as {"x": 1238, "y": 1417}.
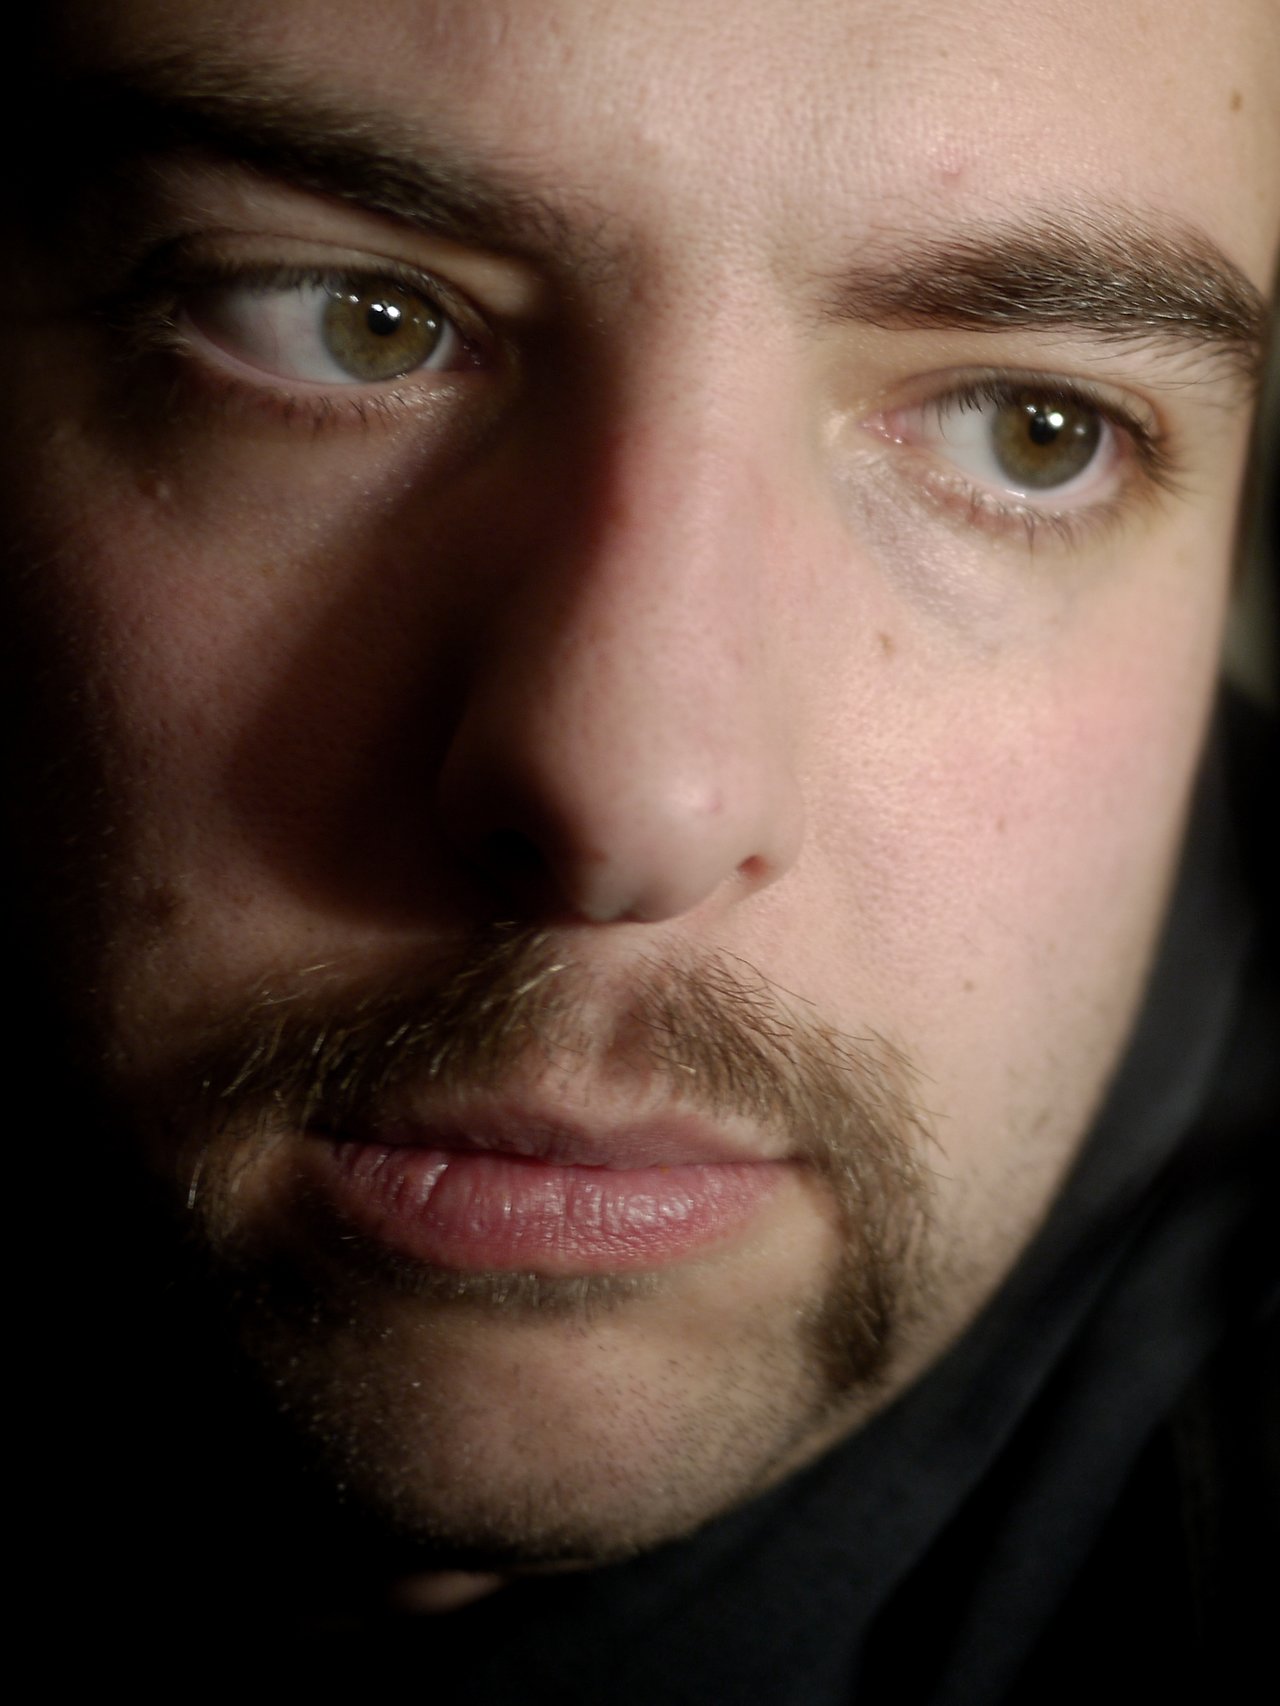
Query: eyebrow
{"x": 1110, "y": 274}
{"x": 266, "y": 120}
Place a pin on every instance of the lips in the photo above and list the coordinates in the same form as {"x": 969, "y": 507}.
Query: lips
{"x": 516, "y": 1190}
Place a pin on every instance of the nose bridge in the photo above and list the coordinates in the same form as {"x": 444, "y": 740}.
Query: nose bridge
{"x": 663, "y": 612}
{"x": 625, "y": 722}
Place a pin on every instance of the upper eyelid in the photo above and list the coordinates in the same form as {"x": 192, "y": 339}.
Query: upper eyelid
{"x": 180, "y": 237}
{"x": 273, "y": 284}
{"x": 1120, "y": 404}
{"x": 435, "y": 290}
{"x": 181, "y": 272}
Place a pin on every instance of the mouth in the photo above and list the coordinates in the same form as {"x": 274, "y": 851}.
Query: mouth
{"x": 513, "y": 1188}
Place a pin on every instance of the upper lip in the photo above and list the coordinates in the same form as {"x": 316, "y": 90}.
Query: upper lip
{"x": 542, "y": 1132}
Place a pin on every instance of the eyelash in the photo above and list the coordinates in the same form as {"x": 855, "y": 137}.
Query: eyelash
{"x": 149, "y": 314}
{"x": 982, "y": 507}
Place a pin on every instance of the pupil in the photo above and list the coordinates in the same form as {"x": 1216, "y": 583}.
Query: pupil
{"x": 1044, "y": 425}
{"x": 383, "y": 318}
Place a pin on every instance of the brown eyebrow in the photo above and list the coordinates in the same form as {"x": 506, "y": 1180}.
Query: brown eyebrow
{"x": 1107, "y": 273}
{"x": 1110, "y": 274}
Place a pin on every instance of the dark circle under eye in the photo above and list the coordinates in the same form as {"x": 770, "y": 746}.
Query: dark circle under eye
{"x": 381, "y": 331}
{"x": 1042, "y": 441}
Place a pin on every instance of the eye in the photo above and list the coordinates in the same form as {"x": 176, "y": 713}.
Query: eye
{"x": 1008, "y": 451}
{"x": 328, "y": 329}
{"x": 1024, "y": 440}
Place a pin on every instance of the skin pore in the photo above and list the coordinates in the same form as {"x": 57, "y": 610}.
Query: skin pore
{"x": 671, "y": 629}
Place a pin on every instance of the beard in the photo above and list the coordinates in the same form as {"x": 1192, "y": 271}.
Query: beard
{"x": 509, "y": 1419}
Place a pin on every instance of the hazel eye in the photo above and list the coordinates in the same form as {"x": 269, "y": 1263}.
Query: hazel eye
{"x": 1007, "y": 450}
{"x": 1024, "y": 440}
{"x": 328, "y": 331}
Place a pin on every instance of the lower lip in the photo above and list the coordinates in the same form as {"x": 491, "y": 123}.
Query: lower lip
{"x": 471, "y": 1210}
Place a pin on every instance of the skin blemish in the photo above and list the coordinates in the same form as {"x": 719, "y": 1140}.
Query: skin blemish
{"x": 950, "y": 158}
{"x": 1236, "y": 101}
{"x": 888, "y": 645}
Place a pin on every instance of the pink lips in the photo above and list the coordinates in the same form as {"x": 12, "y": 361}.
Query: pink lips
{"x": 544, "y": 1197}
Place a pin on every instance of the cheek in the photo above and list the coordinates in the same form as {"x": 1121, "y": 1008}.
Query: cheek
{"x": 1102, "y": 760}
{"x": 999, "y": 861}
{"x": 209, "y": 691}
{"x": 207, "y": 613}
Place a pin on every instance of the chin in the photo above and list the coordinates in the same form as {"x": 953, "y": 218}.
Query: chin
{"x": 571, "y": 1425}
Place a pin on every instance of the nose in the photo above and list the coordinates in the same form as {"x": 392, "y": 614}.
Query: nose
{"x": 625, "y": 750}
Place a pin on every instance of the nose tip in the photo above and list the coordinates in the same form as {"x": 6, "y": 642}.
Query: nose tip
{"x": 635, "y": 847}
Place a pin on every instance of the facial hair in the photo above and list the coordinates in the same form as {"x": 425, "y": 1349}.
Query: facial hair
{"x": 312, "y": 1053}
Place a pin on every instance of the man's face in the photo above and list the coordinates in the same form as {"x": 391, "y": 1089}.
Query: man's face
{"x": 625, "y": 600}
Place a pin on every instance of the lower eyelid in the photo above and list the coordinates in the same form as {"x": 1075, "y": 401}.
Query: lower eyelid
{"x": 959, "y": 498}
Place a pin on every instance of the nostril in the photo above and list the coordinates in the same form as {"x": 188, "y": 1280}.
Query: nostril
{"x": 754, "y": 870}
{"x": 512, "y": 859}
{"x": 526, "y": 873}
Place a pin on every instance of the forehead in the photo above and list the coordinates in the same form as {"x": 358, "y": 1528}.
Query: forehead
{"x": 814, "y": 120}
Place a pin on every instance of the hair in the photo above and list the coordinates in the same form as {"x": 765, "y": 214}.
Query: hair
{"x": 1252, "y": 660}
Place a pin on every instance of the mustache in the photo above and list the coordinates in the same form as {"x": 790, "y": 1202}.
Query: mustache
{"x": 704, "y": 1032}
{"x": 708, "y": 1032}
